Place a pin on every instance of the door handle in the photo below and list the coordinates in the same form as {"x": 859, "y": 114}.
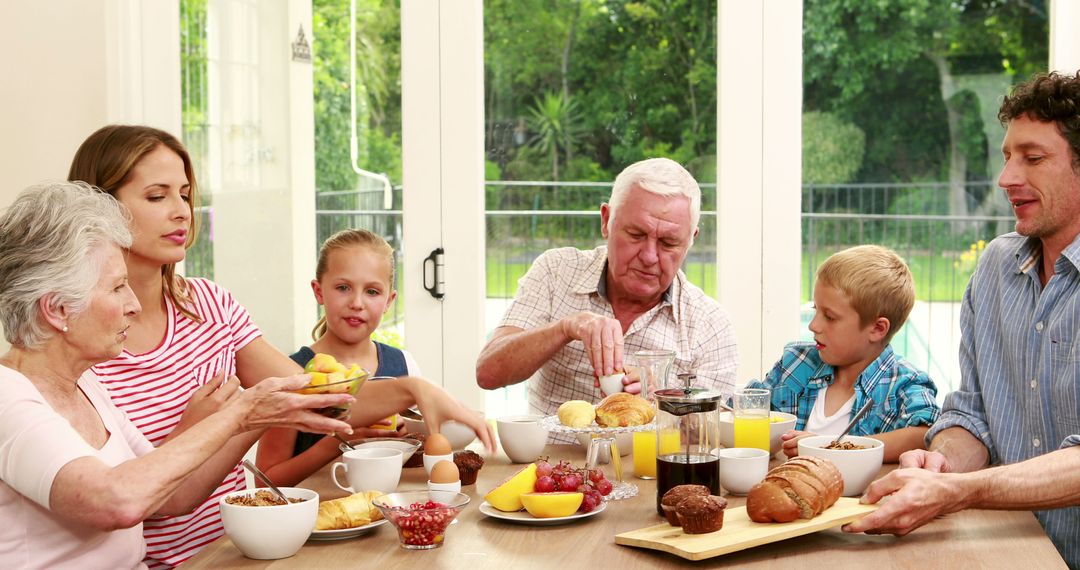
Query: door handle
{"x": 437, "y": 284}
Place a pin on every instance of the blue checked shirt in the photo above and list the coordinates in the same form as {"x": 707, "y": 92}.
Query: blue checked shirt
{"x": 1020, "y": 365}
{"x": 903, "y": 395}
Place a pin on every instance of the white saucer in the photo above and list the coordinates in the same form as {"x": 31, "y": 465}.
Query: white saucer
{"x": 523, "y": 517}
{"x": 343, "y": 533}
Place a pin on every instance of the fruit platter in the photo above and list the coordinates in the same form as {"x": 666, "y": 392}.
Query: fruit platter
{"x": 545, "y": 494}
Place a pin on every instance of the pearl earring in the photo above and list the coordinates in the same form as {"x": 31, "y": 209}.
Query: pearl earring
{"x": 64, "y": 329}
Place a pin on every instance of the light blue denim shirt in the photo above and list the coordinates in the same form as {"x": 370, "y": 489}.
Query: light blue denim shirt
{"x": 903, "y": 395}
{"x": 1020, "y": 365}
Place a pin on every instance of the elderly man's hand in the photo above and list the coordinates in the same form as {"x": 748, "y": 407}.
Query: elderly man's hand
{"x": 603, "y": 340}
{"x": 922, "y": 459}
{"x": 917, "y": 497}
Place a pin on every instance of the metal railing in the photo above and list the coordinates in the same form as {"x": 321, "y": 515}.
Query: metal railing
{"x": 525, "y": 218}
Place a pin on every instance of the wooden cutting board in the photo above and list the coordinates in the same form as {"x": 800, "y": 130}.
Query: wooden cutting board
{"x": 739, "y": 532}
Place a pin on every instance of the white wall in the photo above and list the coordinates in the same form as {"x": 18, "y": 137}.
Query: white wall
{"x": 262, "y": 167}
{"x": 73, "y": 66}
{"x": 1064, "y": 40}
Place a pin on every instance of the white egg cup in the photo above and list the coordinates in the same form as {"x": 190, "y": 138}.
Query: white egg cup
{"x": 431, "y": 460}
{"x": 444, "y": 492}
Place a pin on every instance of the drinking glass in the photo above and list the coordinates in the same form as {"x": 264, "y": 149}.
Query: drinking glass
{"x": 752, "y": 418}
{"x": 603, "y": 450}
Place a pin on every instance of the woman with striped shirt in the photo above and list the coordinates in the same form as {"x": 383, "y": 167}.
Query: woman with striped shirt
{"x": 191, "y": 331}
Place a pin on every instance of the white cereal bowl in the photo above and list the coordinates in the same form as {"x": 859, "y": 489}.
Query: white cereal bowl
{"x": 776, "y": 429}
{"x": 858, "y": 467}
{"x": 459, "y": 434}
{"x": 270, "y": 533}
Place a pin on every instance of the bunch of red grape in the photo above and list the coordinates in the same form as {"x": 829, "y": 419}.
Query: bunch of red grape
{"x": 565, "y": 477}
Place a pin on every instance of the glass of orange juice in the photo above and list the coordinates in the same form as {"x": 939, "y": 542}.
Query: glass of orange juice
{"x": 752, "y": 418}
{"x": 646, "y": 449}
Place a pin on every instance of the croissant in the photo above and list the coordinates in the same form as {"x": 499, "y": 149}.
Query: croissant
{"x": 801, "y": 488}
{"x": 622, "y": 409}
{"x": 348, "y": 512}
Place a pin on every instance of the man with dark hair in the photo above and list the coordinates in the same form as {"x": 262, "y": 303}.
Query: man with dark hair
{"x": 1018, "y": 406}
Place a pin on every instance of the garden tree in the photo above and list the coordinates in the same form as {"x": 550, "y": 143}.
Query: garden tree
{"x": 851, "y": 46}
{"x": 832, "y": 149}
{"x": 555, "y": 121}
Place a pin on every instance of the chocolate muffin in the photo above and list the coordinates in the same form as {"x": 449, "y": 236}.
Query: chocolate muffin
{"x": 468, "y": 464}
{"x": 701, "y": 515}
{"x": 676, "y": 494}
{"x": 417, "y": 459}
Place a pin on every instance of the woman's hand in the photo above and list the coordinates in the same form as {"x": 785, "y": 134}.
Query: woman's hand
{"x": 438, "y": 406}
{"x": 272, "y": 403}
{"x": 791, "y": 441}
{"x": 207, "y": 400}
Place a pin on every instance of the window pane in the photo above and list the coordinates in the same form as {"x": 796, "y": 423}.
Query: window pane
{"x": 901, "y": 145}
{"x": 345, "y": 198}
{"x": 575, "y": 91}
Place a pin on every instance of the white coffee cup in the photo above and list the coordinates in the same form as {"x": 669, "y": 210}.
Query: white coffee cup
{"x": 612, "y": 383}
{"x": 374, "y": 469}
{"x": 741, "y": 468}
{"x": 521, "y": 437}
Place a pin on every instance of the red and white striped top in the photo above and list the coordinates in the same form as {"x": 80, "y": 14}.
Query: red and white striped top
{"x": 154, "y": 388}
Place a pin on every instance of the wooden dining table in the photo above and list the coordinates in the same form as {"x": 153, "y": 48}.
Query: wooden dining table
{"x": 968, "y": 539}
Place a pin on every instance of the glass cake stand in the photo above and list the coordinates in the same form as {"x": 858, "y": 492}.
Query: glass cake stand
{"x": 602, "y": 438}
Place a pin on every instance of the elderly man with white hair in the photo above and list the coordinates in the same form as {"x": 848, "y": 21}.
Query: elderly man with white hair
{"x": 577, "y": 314}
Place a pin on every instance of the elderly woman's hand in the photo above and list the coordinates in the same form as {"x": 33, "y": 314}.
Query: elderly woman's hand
{"x": 438, "y": 406}
{"x": 272, "y": 403}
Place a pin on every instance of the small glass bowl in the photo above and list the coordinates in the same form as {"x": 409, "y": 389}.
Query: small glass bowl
{"x": 420, "y": 521}
{"x": 350, "y": 386}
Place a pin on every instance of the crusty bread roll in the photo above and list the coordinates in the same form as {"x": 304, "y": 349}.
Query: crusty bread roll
{"x": 576, "y": 413}
{"x": 803, "y": 487}
{"x": 348, "y": 512}
{"x": 621, "y": 410}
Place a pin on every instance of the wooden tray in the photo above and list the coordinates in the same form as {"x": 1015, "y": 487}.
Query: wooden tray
{"x": 739, "y": 531}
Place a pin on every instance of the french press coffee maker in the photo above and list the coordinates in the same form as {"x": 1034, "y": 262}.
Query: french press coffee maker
{"x": 693, "y": 416}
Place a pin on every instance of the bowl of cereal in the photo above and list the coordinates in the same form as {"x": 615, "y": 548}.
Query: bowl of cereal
{"x": 264, "y": 528}
{"x": 779, "y": 424}
{"x": 858, "y": 458}
{"x": 421, "y": 521}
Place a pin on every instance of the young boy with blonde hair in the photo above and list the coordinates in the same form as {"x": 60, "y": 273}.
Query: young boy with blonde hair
{"x": 862, "y": 296}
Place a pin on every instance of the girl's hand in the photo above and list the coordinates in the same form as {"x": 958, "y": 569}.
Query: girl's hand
{"x": 791, "y": 441}
{"x": 438, "y": 406}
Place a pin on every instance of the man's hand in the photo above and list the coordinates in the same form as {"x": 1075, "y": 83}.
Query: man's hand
{"x": 791, "y": 441}
{"x": 922, "y": 459}
{"x": 603, "y": 340}
{"x": 917, "y": 497}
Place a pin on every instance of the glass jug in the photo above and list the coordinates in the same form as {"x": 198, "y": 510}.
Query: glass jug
{"x": 652, "y": 368}
{"x": 687, "y": 432}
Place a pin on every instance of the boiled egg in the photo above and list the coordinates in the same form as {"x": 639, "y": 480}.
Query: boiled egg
{"x": 444, "y": 472}
{"x": 437, "y": 444}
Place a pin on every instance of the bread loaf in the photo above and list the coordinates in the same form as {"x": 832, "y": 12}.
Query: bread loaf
{"x": 801, "y": 488}
{"x": 622, "y": 409}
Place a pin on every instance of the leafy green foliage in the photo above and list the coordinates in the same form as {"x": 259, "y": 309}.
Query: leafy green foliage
{"x": 833, "y": 149}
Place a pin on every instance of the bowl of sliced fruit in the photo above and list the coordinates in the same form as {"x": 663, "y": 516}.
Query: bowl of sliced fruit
{"x": 328, "y": 376}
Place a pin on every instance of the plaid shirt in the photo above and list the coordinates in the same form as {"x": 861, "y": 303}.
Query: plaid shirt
{"x": 566, "y": 281}
{"x": 903, "y": 395}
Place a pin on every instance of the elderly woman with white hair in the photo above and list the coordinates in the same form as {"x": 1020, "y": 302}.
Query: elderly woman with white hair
{"x": 76, "y": 477}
